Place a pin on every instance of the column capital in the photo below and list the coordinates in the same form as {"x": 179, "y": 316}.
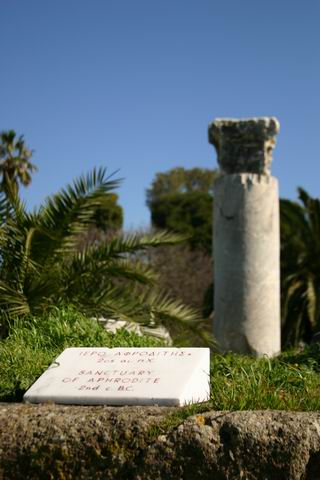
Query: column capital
{"x": 244, "y": 145}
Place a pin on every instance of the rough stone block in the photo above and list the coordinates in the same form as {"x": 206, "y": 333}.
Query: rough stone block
{"x": 244, "y": 146}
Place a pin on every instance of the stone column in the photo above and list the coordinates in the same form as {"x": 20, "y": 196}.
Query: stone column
{"x": 246, "y": 237}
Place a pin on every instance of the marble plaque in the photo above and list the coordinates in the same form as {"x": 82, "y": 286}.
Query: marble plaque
{"x": 125, "y": 376}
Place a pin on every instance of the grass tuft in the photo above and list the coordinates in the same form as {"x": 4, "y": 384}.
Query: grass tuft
{"x": 288, "y": 382}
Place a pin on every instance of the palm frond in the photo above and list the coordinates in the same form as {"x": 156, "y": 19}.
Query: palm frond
{"x": 312, "y": 210}
{"x": 311, "y": 299}
{"x": 40, "y": 264}
{"x": 293, "y": 218}
{"x": 5, "y": 208}
{"x": 14, "y": 302}
{"x": 69, "y": 212}
{"x": 300, "y": 267}
{"x": 86, "y": 276}
{"x": 66, "y": 206}
{"x": 127, "y": 269}
{"x": 114, "y": 302}
{"x": 130, "y": 244}
{"x": 164, "y": 308}
{"x": 163, "y": 305}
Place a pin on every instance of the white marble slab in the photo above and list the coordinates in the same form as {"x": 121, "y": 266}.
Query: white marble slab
{"x": 125, "y": 376}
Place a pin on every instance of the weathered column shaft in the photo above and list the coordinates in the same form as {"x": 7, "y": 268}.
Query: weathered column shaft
{"x": 246, "y": 238}
{"x": 246, "y": 263}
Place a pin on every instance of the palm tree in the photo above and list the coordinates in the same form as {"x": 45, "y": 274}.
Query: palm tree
{"x": 41, "y": 264}
{"x": 15, "y": 165}
{"x": 300, "y": 268}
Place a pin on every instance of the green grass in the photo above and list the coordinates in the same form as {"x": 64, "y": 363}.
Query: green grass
{"x": 34, "y": 342}
{"x": 288, "y": 382}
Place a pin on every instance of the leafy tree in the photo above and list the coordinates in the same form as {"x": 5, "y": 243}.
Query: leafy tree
{"x": 42, "y": 266}
{"x": 187, "y": 213}
{"x": 15, "y": 164}
{"x": 107, "y": 223}
{"x": 182, "y": 200}
{"x": 300, "y": 268}
{"x": 110, "y": 217}
{"x": 180, "y": 180}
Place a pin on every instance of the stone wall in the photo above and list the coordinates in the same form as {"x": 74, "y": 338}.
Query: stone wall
{"x": 71, "y": 442}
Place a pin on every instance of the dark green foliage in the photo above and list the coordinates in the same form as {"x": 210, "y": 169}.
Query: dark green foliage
{"x": 109, "y": 219}
{"x": 187, "y": 213}
{"x": 208, "y": 301}
{"x": 300, "y": 268}
{"x": 182, "y": 200}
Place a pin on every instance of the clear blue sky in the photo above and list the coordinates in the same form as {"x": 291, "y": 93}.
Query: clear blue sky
{"x": 133, "y": 85}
